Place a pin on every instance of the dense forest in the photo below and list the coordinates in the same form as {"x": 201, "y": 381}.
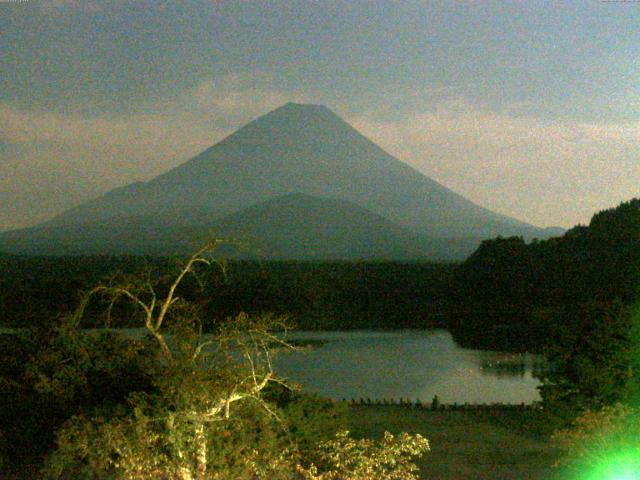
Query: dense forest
{"x": 311, "y": 295}
{"x": 513, "y": 295}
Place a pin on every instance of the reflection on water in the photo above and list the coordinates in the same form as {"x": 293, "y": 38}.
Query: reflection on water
{"x": 408, "y": 364}
{"x": 510, "y": 365}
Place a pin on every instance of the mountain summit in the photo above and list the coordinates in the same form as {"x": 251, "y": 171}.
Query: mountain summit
{"x": 305, "y": 149}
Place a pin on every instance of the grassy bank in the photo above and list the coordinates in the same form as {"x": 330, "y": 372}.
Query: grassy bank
{"x": 467, "y": 444}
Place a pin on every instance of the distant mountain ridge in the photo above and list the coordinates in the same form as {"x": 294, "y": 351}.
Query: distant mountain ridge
{"x": 290, "y": 227}
{"x": 303, "y": 150}
{"x": 300, "y": 226}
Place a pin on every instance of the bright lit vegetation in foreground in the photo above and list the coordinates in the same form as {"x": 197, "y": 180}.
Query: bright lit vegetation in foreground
{"x": 211, "y": 409}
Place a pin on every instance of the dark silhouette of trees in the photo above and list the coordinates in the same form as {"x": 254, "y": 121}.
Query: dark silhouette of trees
{"x": 590, "y": 354}
{"x": 509, "y": 294}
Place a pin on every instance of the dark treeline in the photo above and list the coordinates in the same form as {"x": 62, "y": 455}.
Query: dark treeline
{"x": 513, "y": 295}
{"x": 311, "y": 295}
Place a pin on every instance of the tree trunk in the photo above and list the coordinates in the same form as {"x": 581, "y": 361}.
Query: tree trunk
{"x": 201, "y": 451}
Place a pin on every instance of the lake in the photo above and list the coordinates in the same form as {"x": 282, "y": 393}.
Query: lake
{"x": 409, "y": 364}
{"x": 413, "y": 364}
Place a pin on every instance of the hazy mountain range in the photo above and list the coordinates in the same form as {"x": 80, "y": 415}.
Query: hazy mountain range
{"x": 298, "y": 182}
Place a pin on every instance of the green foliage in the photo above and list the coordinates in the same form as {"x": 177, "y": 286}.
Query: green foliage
{"x": 75, "y": 368}
{"x": 3, "y": 450}
{"x": 345, "y": 458}
{"x": 153, "y": 439}
{"x": 589, "y": 359}
{"x": 205, "y": 420}
{"x": 310, "y": 419}
{"x": 34, "y": 290}
{"x": 51, "y": 374}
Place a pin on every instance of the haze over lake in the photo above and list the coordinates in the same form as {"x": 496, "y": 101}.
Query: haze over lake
{"x": 409, "y": 364}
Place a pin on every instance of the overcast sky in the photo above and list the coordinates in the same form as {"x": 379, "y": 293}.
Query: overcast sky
{"x": 530, "y": 108}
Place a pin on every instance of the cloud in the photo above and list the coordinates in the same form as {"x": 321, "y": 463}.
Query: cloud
{"x": 460, "y": 122}
{"x": 514, "y": 163}
{"x": 237, "y": 98}
{"x": 26, "y": 126}
{"x": 121, "y": 147}
{"x": 192, "y": 120}
{"x": 56, "y": 160}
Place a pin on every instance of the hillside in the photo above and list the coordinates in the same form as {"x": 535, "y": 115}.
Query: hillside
{"x": 512, "y": 293}
{"x": 291, "y": 227}
{"x": 299, "y": 226}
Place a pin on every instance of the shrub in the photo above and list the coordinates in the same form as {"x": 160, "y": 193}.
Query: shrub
{"x": 345, "y": 458}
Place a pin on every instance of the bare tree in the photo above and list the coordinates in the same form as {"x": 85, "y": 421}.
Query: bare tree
{"x": 232, "y": 365}
{"x": 207, "y": 386}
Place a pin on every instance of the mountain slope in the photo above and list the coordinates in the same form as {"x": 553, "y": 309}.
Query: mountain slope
{"x": 299, "y": 226}
{"x": 290, "y": 227}
{"x": 295, "y": 148}
{"x": 307, "y": 149}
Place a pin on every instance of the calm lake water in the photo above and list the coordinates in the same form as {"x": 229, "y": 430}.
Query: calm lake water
{"x": 408, "y": 364}
{"x": 413, "y": 364}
